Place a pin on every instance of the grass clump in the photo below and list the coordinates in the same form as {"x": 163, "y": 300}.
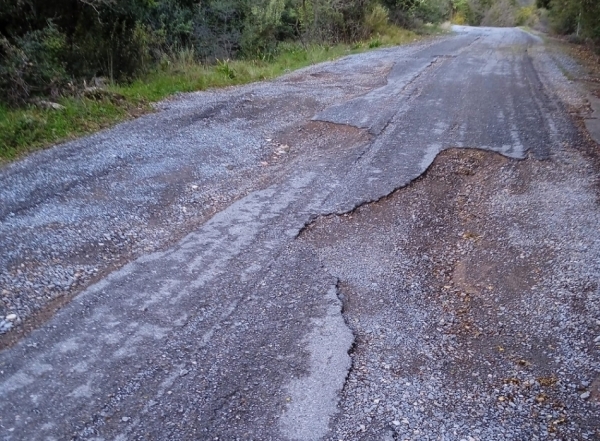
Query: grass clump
{"x": 25, "y": 129}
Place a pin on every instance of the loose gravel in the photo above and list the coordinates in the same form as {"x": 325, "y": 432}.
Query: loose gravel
{"x": 472, "y": 293}
{"x": 474, "y": 298}
{"x": 72, "y": 214}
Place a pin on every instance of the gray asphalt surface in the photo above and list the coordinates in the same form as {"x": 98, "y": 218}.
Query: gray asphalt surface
{"x": 224, "y": 297}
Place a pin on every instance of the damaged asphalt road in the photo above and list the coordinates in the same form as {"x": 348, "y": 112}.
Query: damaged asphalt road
{"x": 356, "y": 251}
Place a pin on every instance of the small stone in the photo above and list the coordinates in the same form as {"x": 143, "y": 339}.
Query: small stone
{"x": 585, "y": 395}
{"x": 597, "y": 339}
{"x": 125, "y": 419}
{"x": 49, "y": 105}
{"x": 11, "y": 317}
{"x": 396, "y": 423}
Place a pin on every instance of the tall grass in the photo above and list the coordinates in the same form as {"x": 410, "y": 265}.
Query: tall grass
{"x": 25, "y": 129}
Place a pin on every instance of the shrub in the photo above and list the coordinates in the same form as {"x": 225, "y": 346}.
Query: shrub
{"x": 32, "y": 65}
{"x": 375, "y": 43}
{"x": 463, "y": 13}
{"x": 224, "y": 68}
{"x": 501, "y": 13}
{"x": 377, "y": 20}
{"x": 580, "y": 17}
{"x": 260, "y": 29}
{"x": 526, "y": 16}
{"x": 564, "y": 16}
{"x": 433, "y": 11}
{"x": 459, "y": 19}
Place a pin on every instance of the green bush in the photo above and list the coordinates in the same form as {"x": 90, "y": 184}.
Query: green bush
{"x": 224, "y": 68}
{"x": 564, "y": 16}
{"x": 378, "y": 19}
{"x": 579, "y": 17}
{"x": 32, "y": 65}
{"x": 433, "y": 11}
{"x": 375, "y": 43}
{"x": 462, "y": 13}
{"x": 501, "y": 13}
{"x": 526, "y": 16}
{"x": 52, "y": 47}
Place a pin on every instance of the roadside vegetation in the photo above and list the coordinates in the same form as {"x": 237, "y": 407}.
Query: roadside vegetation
{"x": 41, "y": 122}
{"x": 70, "y": 67}
{"x": 578, "y": 19}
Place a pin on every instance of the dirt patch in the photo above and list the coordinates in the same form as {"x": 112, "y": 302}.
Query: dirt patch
{"x": 480, "y": 299}
{"x": 321, "y": 137}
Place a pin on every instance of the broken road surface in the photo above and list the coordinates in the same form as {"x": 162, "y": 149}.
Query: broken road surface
{"x": 401, "y": 244}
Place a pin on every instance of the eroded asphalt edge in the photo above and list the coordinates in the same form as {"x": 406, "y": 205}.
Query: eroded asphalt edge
{"x": 21, "y": 379}
{"x": 245, "y": 213}
{"x": 203, "y": 151}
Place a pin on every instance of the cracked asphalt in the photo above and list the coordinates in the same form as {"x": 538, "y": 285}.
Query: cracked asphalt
{"x": 398, "y": 245}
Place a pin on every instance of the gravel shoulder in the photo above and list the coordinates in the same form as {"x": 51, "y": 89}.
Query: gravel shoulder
{"x": 71, "y": 215}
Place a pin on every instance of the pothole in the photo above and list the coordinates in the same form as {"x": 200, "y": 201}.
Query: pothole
{"x": 452, "y": 287}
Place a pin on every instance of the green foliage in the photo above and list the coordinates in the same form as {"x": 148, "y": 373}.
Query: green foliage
{"x": 462, "y": 12}
{"x": 49, "y": 48}
{"x": 23, "y": 129}
{"x": 411, "y": 13}
{"x": 579, "y": 17}
{"x": 259, "y": 38}
{"x": 224, "y": 68}
{"x": 375, "y": 43}
{"x": 501, "y": 13}
{"x": 32, "y": 64}
{"x": 378, "y": 19}
{"x": 526, "y": 16}
{"x": 219, "y": 27}
{"x": 434, "y": 11}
